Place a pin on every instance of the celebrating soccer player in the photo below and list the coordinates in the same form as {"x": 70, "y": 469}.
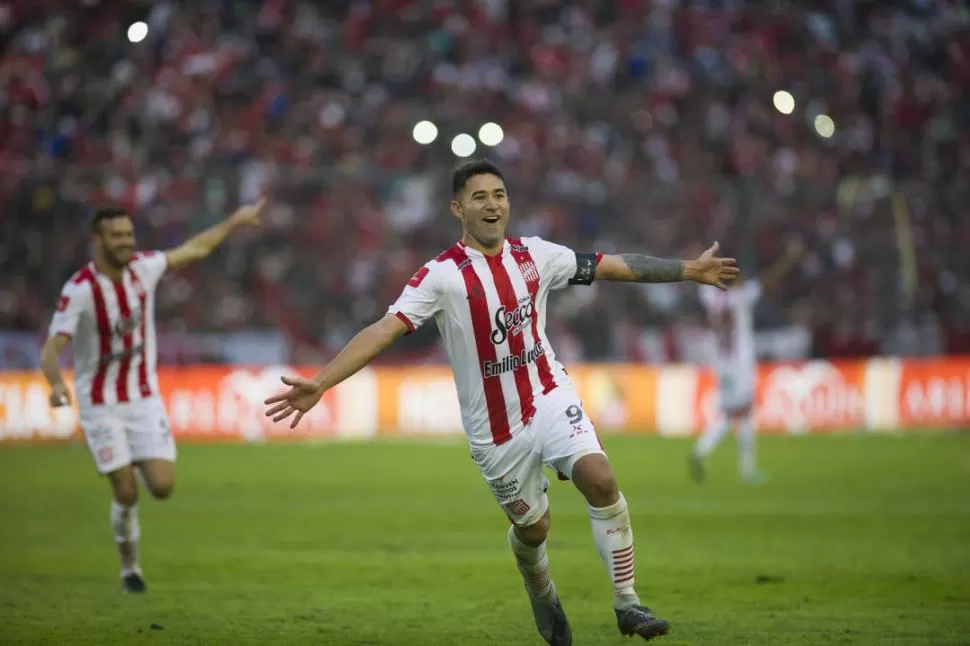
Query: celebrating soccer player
{"x": 519, "y": 408}
{"x": 107, "y": 312}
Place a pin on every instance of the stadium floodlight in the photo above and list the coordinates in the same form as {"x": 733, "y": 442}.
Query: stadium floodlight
{"x": 824, "y": 126}
{"x": 424, "y": 132}
{"x": 491, "y": 134}
{"x": 463, "y": 145}
{"x": 137, "y": 32}
{"x": 784, "y": 102}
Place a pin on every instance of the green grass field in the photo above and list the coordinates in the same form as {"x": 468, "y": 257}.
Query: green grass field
{"x": 856, "y": 540}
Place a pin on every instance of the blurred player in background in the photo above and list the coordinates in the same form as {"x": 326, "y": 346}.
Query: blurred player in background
{"x": 731, "y": 316}
{"x": 106, "y": 311}
{"x": 519, "y": 408}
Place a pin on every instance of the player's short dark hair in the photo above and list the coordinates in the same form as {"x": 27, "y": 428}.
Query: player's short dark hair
{"x": 469, "y": 169}
{"x": 106, "y": 213}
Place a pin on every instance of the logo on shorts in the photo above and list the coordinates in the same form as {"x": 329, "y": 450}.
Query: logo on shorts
{"x": 105, "y": 454}
{"x": 577, "y": 430}
{"x": 504, "y": 489}
{"x": 516, "y": 507}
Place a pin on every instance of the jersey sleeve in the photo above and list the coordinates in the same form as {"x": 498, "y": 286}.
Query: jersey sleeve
{"x": 562, "y": 266}
{"x": 150, "y": 266}
{"x": 420, "y": 300}
{"x": 70, "y": 305}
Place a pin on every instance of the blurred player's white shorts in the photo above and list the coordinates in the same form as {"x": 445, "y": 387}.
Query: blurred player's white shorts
{"x": 736, "y": 389}
{"x": 558, "y": 436}
{"x": 119, "y": 434}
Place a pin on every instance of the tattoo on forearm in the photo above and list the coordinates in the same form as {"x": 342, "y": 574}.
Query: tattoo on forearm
{"x": 647, "y": 269}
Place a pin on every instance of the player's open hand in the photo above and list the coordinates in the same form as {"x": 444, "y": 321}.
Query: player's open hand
{"x": 249, "y": 214}
{"x": 708, "y": 269}
{"x": 301, "y": 397}
{"x": 60, "y": 396}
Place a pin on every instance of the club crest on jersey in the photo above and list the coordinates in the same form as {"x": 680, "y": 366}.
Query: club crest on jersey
{"x": 530, "y": 273}
{"x": 508, "y": 322}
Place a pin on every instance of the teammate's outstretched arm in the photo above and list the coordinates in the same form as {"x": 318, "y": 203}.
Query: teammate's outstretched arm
{"x": 359, "y": 351}
{"x": 200, "y": 246}
{"x": 707, "y": 269}
{"x": 777, "y": 272}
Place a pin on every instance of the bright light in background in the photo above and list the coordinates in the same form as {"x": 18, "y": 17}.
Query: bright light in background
{"x": 463, "y": 145}
{"x": 137, "y": 32}
{"x": 784, "y": 102}
{"x": 824, "y": 126}
{"x": 491, "y": 134}
{"x": 424, "y": 132}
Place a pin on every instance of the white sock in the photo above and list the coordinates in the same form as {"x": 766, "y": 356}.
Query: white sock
{"x": 746, "y": 441}
{"x": 127, "y": 531}
{"x": 533, "y": 563}
{"x": 613, "y": 535}
{"x": 712, "y": 436}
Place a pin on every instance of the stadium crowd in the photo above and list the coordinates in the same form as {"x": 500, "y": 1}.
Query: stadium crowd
{"x": 629, "y": 124}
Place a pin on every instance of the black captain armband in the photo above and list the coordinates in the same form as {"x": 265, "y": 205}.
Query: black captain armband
{"x": 585, "y": 269}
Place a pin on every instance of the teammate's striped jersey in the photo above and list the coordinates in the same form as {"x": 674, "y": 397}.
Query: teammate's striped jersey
{"x": 111, "y": 325}
{"x": 731, "y": 315}
{"x": 491, "y": 313}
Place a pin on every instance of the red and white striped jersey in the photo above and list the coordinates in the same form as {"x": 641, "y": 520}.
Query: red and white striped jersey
{"x": 731, "y": 315}
{"x": 491, "y": 313}
{"x": 111, "y": 325}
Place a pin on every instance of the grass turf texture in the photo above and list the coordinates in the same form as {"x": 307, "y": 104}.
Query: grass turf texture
{"x": 856, "y": 540}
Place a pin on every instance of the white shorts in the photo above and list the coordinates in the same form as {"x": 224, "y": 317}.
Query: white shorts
{"x": 736, "y": 389}
{"x": 119, "y": 434}
{"x": 559, "y": 435}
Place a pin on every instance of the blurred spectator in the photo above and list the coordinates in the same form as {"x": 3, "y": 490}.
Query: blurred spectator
{"x": 633, "y": 124}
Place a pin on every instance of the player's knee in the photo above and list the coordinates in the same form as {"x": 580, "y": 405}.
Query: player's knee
{"x": 594, "y": 478}
{"x": 126, "y": 494}
{"x": 537, "y": 532}
{"x": 602, "y": 490}
{"x": 162, "y": 490}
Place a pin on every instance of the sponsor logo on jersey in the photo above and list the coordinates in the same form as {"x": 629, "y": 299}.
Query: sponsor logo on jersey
{"x": 127, "y": 325}
{"x": 508, "y": 322}
{"x": 512, "y": 363}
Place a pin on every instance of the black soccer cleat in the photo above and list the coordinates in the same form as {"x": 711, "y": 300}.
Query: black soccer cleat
{"x": 133, "y": 584}
{"x": 640, "y": 620}
{"x": 551, "y": 620}
{"x": 698, "y": 470}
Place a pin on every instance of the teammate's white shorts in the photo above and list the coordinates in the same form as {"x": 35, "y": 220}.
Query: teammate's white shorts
{"x": 559, "y": 435}
{"x": 119, "y": 434}
{"x": 736, "y": 389}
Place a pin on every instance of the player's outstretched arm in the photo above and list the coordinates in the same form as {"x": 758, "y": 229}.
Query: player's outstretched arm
{"x": 200, "y": 246}
{"x": 707, "y": 269}
{"x": 49, "y": 364}
{"x": 359, "y": 351}
{"x": 783, "y": 266}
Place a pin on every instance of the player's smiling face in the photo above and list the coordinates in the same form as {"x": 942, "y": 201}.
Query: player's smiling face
{"x": 116, "y": 240}
{"x": 483, "y": 208}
